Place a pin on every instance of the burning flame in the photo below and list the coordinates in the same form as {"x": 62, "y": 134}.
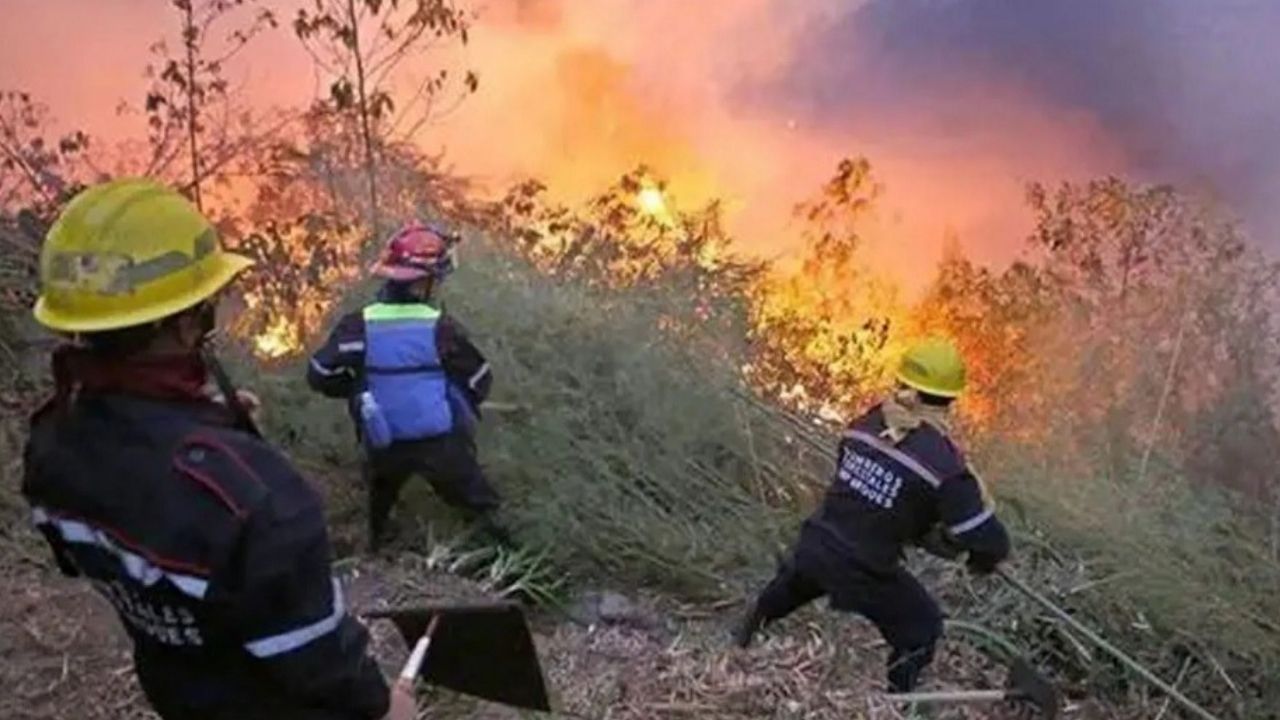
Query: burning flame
{"x": 652, "y": 202}
{"x": 281, "y": 338}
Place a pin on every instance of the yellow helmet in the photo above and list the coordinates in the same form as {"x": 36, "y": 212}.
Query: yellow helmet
{"x": 933, "y": 366}
{"x": 129, "y": 252}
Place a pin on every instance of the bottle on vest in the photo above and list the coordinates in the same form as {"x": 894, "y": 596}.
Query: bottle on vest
{"x": 406, "y": 394}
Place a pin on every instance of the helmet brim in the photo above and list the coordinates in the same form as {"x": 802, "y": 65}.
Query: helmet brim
{"x": 399, "y": 273}
{"x": 914, "y": 384}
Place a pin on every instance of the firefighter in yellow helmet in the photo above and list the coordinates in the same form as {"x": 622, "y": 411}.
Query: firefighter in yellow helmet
{"x": 899, "y": 481}
{"x": 207, "y": 542}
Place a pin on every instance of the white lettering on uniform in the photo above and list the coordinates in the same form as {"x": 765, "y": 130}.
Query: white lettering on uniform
{"x": 164, "y": 623}
{"x": 873, "y": 481}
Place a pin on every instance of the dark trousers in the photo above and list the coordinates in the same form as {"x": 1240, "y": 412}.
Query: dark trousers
{"x": 448, "y": 462}
{"x": 900, "y": 608}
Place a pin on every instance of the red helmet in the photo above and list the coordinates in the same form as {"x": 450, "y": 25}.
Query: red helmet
{"x": 416, "y": 251}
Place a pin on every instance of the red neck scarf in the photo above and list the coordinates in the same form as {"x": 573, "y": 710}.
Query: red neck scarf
{"x": 162, "y": 377}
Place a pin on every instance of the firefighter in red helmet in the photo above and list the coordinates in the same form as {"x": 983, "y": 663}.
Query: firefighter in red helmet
{"x": 414, "y": 383}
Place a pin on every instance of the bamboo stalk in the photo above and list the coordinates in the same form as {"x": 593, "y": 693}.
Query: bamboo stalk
{"x": 1186, "y": 664}
{"x": 1111, "y": 650}
{"x": 987, "y": 634}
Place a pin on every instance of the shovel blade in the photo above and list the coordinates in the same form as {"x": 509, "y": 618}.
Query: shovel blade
{"x": 479, "y": 649}
{"x": 1028, "y": 684}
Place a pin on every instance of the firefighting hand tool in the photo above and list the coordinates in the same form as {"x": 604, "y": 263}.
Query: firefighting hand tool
{"x": 479, "y": 648}
{"x": 501, "y": 408}
{"x": 413, "y": 665}
{"x": 243, "y": 418}
{"x": 1023, "y": 683}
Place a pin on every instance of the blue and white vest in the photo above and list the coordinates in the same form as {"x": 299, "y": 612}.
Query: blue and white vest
{"x": 404, "y": 376}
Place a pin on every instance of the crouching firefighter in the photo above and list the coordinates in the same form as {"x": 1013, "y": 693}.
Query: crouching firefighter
{"x": 207, "y": 542}
{"x": 414, "y": 383}
{"x": 899, "y": 481}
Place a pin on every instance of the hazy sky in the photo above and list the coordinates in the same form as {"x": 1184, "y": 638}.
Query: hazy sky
{"x": 1187, "y": 87}
{"x": 958, "y": 103}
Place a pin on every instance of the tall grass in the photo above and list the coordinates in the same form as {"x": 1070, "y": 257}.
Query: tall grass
{"x": 635, "y": 457}
{"x": 636, "y": 454}
{"x": 640, "y": 458}
{"x": 1174, "y": 572}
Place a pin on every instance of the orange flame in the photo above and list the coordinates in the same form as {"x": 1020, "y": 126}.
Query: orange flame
{"x": 280, "y": 339}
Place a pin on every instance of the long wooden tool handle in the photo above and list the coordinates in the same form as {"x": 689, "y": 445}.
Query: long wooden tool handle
{"x": 419, "y": 654}
{"x": 242, "y": 416}
{"x": 502, "y": 408}
{"x": 1101, "y": 642}
{"x": 956, "y": 696}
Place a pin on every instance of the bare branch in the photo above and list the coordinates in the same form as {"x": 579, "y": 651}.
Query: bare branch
{"x": 27, "y": 171}
{"x": 431, "y": 116}
{"x": 15, "y": 155}
{"x": 162, "y": 151}
{"x": 397, "y": 55}
{"x": 423, "y": 94}
{"x": 250, "y": 142}
{"x": 320, "y": 63}
{"x": 240, "y": 38}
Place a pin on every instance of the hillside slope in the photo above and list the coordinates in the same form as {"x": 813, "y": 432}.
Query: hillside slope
{"x": 641, "y": 464}
{"x": 66, "y": 656}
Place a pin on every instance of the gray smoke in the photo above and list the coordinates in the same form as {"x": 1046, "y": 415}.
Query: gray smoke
{"x": 1190, "y": 88}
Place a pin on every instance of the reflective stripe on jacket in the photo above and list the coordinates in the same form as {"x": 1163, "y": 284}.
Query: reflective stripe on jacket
{"x": 214, "y": 553}
{"x": 887, "y": 495}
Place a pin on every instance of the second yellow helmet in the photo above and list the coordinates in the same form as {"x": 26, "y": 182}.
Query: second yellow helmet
{"x": 933, "y": 366}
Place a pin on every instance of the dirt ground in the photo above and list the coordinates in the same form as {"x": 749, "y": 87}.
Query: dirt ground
{"x": 63, "y": 655}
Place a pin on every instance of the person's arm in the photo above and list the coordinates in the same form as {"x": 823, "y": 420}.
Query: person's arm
{"x": 284, "y": 606}
{"x": 335, "y": 368}
{"x": 466, "y": 367}
{"x": 971, "y": 523}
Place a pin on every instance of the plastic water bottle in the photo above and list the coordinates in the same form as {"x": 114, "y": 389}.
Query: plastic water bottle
{"x": 377, "y": 432}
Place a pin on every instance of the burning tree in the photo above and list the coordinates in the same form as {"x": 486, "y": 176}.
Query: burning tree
{"x": 295, "y": 206}
{"x": 634, "y": 235}
{"x": 361, "y": 44}
{"x": 994, "y": 318}
{"x": 821, "y": 331}
{"x": 303, "y": 226}
{"x": 1136, "y": 329}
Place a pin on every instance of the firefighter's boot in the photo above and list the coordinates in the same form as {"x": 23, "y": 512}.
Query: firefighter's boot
{"x": 750, "y": 622}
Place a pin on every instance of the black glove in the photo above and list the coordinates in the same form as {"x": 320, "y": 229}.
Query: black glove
{"x": 939, "y": 543}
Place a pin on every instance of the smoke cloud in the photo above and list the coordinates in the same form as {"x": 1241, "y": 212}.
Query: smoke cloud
{"x": 755, "y": 102}
{"x": 958, "y": 103}
{"x": 1184, "y": 89}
